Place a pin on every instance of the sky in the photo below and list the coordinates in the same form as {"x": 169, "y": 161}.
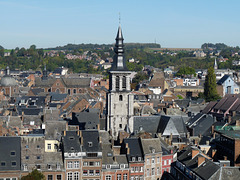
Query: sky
{"x": 171, "y": 23}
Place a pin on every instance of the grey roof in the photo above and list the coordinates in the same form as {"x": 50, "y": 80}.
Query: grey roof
{"x": 93, "y": 137}
{"x": 205, "y": 170}
{"x": 8, "y": 145}
{"x": 119, "y": 62}
{"x": 53, "y": 158}
{"x": 209, "y": 107}
{"x": 149, "y": 124}
{"x": 71, "y": 142}
{"x": 149, "y": 144}
{"x": 57, "y": 96}
{"x": 8, "y": 80}
{"x": 223, "y": 79}
{"x": 227, "y": 173}
{"x": 54, "y": 129}
{"x": 85, "y": 120}
{"x": 135, "y": 148}
{"x": 107, "y": 154}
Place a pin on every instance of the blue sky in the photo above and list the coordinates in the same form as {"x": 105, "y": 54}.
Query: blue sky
{"x": 173, "y": 23}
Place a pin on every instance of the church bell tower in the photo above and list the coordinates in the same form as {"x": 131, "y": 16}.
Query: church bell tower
{"x": 119, "y": 98}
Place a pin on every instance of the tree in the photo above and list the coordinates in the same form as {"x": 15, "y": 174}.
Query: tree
{"x": 2, "y": 52}
{"x": 210, "y": 89}
{"x": 34, "y": 175}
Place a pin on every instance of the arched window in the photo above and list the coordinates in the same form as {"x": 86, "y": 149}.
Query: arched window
{"x": 120, "y": 97}
{"x": 80, "y": 90}
{"x": 117, "y": 83}
{"x": 74, "y": 91}
{"x": 49, "y": 90}
{"x": 124, "y": 82}
{"x": 57, "y": 91}
{"x": 69, "y": 91}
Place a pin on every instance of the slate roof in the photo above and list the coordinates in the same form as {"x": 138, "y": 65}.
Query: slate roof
{"x": 71, "y": 142}
{"x": 205, "y": 170}
{"x": 93, "y": 137}
{"x": 227, "y": 173}
{"x": 223, "y": 79}
{"x": 85, "y": 120}
{"x": 57, "y": 96}
{"x": 149, "y": 144}
{"x": 209, "y": 107}
{"x": 135, "y": 148}
{"x": 8, "y": 145}
{"x": 149, "y": 124}
{"x": 54, "y": 130}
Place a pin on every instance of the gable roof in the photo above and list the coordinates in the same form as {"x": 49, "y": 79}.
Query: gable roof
{"x": 223, "y": 79}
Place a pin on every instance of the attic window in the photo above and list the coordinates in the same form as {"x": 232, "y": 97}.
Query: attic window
{"x": 133, "y": 159}
{"x": 13, "y": 153}
{"x": 72, "y": 148}
{"x": 71, "y": 138}
{"x": 109, "y": 154}
{"x": 90, "y": 144}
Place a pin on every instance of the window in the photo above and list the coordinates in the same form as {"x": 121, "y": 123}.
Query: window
{"x": 120, "y": 126}
{"x": 27, "y": 157}
{"x": 89, "y": 144}
{"x": 119, "y": 176}
{"x": 139, "y": 158}
{"x": 38, "y": 157}
{"x": 69, "y": 176}
{"x": 97, "y": 172}
{"x": 69, "y": 91}
{"x": 158, "y": 159}
{"x": 74, "y": 91}
{"x": 169, "y": 161}
{"x": 91, "y": 163}
{"x": 153, "y": 160}
{"x": 97, "y": 163}
{"x": 132, "y": 169}
{"x": 148, "y": 162}
{"x": 124, "y": 84}
{"x": 49, "y": 167}
{"x": 141, "y": 169}
{"x": 13, "y": 153}
{"x": 76, "y": 176}
{"x": 14, "y": 163}
{"x": 50, "y": 177}
{"x": 165, "y": 162}
{"x": 38, "y": 147}
{"x": 76, "y": 164}
{"x": 158, "y": 171}
{"x": 153, "y": 172}
{"x": 49, "y": 147}
{"x": 120, "y": 98}
{"x": 91, "y": 172}
{"x": 85, "y": 172}
{"x": 148, "y": 174}
{"x": 136, "y": 169}
{"x": 108, "y": 177}
{"x": 59, "y": 177}
{"x": 125, "y": 176}
{"x": 31, "y": 123}
{"x": 58, "y": 166}
{"x": 69, "y": 165}
{"x": 117, "y": 82}
{"x": 133, "y": 159}
{"x": 25, "y": 167}
{"x": 38, "y": 166}
{"x": 3, "y": 163}
{"x": 85, "y": 163}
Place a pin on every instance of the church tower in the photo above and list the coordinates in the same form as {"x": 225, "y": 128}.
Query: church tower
{"x": 215, "y": 64}
{"x": 120, "y": 99}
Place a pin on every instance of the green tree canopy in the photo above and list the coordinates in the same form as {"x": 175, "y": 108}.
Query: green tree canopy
{"x": 34, "y": 175}
{"x": 185, "y": 71}
{"x": 210, "y": 86}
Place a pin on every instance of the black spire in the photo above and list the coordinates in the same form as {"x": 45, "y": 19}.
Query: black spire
{"x": 119, "y": 63}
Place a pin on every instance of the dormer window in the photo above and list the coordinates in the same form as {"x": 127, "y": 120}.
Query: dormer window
{"x": 90, "y": 144}
{"x": 133, "y": 159}
{"x": 139, "y": 158}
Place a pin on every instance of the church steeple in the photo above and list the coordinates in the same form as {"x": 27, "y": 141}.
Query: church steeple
{"x": 119, "y": 62}
{"x": 215, "y": 64}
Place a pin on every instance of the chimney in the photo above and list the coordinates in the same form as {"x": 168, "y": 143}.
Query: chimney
{"x": 213, "y": 152}
{"x": 237, "y": 122}
{"x": 128, "y": 150}
{"x": 201, "y": 159}
{"x": 126, "y": 145}
{"x": 212, "y": 129}
{"x": 225, "y": 158}
{"x": 188, "y": 135}
{"x": 214, "y": 135}
{"x": 233, "y": 113}
{"x": 64, "y": 133}
{"x": 171, "y": 137}
{"x": 98, "y": 127}
{"x": 207, "y": 143}
{"x": 194, "y": 153}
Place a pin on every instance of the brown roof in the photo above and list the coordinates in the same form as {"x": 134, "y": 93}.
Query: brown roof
{"x": 157, "y": 80}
